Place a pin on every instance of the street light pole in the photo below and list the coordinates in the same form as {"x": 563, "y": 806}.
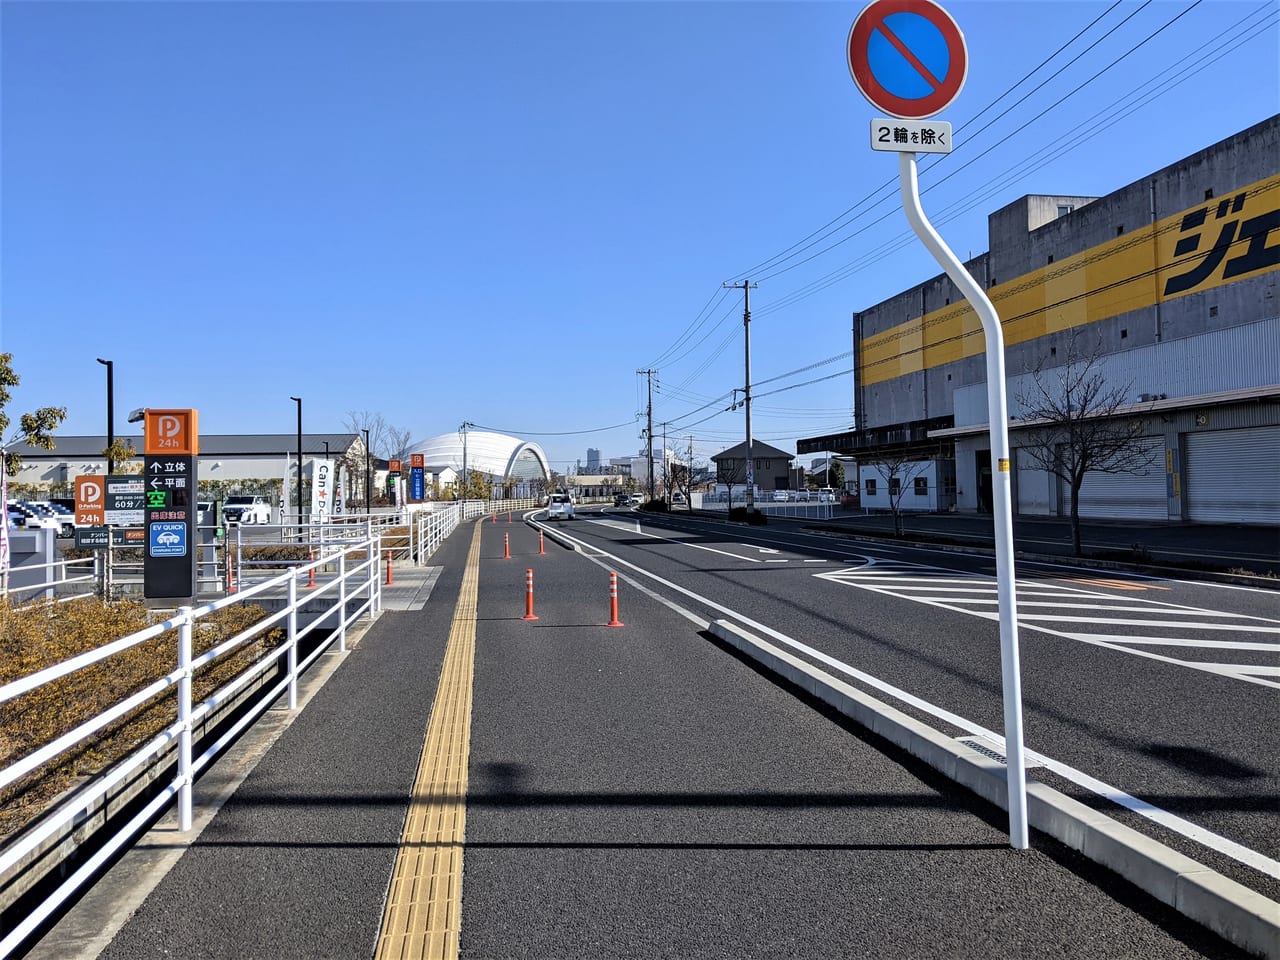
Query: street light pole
{"x": 368, "y": 476}
{"x": 111, "y": 419}
{"x": 298, "y": 401}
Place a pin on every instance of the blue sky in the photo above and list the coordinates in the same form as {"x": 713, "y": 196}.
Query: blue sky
{"x": 499, "y": 212}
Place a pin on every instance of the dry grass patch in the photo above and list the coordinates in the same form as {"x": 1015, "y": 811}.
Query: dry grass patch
{"x": 34, "y": 637}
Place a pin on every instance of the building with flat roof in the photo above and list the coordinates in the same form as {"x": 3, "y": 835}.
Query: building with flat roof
{"x": 1164, "y": 291}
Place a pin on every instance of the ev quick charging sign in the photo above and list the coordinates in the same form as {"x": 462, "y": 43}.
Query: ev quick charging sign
{"x": 167, "y": 539}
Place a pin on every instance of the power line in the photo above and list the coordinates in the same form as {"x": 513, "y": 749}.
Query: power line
{"x": 783, "y": 256}
{"x": 1002, "y": 180}
{"x": 563, "y": 433}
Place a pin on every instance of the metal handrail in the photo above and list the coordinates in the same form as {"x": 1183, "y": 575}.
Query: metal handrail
{"x": 351, "y": 581}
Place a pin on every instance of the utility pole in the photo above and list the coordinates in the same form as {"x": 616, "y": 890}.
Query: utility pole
{"x": 747, "y": 286}
{"x": 649, "y": 431}
{"x": 666, "y": 469}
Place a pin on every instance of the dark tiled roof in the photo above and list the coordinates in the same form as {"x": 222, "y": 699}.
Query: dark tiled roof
{"x": 759, "y": 451}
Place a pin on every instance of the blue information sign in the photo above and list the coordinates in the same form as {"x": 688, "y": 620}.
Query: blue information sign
{"x": 167, "y": 539}
{"x": 417, "y": 483}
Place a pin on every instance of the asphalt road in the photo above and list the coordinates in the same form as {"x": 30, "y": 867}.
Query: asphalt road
{"x": 1166, "y": 689}
{"x": 637, "y": 791}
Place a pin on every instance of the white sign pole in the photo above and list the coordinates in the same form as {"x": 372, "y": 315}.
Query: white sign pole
{"x": 998, "y": 411}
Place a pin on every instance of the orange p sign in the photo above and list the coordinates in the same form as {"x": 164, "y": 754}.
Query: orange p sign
{"x": 89, "y": 501}
{"x": 172, "y": 431}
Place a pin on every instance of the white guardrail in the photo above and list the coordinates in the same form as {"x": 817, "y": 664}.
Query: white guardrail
{"x": 117, "y": 570}
{"x": 798, "y": 509}
{"x": 357, "y": 580}
{"x": 346, "y": 570}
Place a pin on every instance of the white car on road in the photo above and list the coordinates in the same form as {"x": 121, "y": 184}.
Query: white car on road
{"x": 560, "y": 507}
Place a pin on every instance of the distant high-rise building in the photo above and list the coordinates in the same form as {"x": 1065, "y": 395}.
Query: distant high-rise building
{"x": 593, "y": 460}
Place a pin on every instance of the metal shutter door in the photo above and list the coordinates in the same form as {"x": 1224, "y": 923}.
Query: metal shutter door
{"x": 1126, "y": 496}
{"x": 1233, "y": 476}
{"x": 1035, "y": 485}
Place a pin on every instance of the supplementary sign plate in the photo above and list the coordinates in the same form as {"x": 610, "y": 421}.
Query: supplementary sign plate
{"x": 911, "y": 136}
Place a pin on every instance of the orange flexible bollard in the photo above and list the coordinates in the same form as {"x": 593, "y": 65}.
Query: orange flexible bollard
{"x": 508, "y": 516}
{"x": 613, "y": 602}
{"x": 528, "y": 596}
{"x": 506, "y": 546}
{"x": 495, "y": 516}
{"x": 541, "y": 551}
{"x": 311, "y": 574}
{"x": 231, "y": 574}
{"x": 390, "y": 579}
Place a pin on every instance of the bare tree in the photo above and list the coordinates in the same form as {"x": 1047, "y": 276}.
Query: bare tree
{"x": 1071, "y": 425}
{"x": 385, "y": 440}
{"x": 898, "y": 471}
{"x": 730, "y": 472}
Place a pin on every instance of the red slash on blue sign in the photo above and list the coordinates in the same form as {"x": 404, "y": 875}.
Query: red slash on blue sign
{"x": 907, "y": 57}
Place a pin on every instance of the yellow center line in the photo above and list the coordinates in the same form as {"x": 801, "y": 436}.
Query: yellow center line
{"x": 423, "y": 914}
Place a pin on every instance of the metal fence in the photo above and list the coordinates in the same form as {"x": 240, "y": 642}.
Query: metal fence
{"x": 799, "y": 510}
{"x": 352, "y": 591}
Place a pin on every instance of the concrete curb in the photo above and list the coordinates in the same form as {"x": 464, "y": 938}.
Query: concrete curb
{"x": 1233, "y": 911}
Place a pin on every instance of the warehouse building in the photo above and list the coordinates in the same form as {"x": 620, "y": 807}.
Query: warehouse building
{"x": 1164, "y": 290}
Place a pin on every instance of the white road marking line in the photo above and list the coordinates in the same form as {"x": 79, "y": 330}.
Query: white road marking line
{"x": 1229, "y": 848}
{"x": 1195, "y": 625}
{"x": 1186, "y": 642}
{"x": 1172, "y": 612}
{"x": 1242, "y": 673}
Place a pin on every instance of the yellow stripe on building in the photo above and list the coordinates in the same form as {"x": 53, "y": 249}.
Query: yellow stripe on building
{"x": 1128, "y": 273}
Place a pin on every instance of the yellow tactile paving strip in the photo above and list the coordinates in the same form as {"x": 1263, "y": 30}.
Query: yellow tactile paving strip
{"x": 423, "y": 915}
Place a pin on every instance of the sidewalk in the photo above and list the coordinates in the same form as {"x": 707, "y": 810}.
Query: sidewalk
{"x": 629, "y": 792}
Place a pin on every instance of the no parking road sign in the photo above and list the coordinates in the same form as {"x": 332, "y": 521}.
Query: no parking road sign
{"x": 907, "y": 57}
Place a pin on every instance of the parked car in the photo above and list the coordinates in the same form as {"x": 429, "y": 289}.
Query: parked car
{"x": 560, "y": 507}
{"x": 246, "y": 509}
{"x": 677, "y": 497}
{"x": 827, "y": 495}
{"x": 636, "y": 499}
{"x": 65, "y": 516}
{"x": 781, "y": 496}
{"x": 33, "y": 518}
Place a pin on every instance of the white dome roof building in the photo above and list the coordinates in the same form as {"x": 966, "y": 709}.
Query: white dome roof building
{"x": 499, "y": 457}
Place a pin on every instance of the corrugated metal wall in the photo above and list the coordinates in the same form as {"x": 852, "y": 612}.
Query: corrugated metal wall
{"x": 1127, "y": 496}
{"x": 1233, "y": 476}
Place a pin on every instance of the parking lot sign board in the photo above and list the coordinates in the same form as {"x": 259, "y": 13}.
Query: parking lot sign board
{"x": 90, "y": 504}
{"x": 126, "y": 500}
{"x": 168, "y": 563}
{"x": 89, "y": 538}
{"x": 908, "y": 57}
